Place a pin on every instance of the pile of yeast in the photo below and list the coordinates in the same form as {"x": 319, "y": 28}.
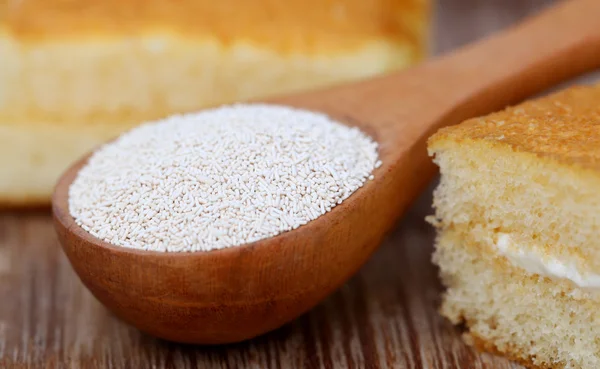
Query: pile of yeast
{"x": 219, "y": 178}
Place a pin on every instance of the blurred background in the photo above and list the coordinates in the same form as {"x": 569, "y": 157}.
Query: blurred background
{"x": 76, "y": 73}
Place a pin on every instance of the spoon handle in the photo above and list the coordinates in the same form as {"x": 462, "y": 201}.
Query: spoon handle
{"x": 560, "y": 42}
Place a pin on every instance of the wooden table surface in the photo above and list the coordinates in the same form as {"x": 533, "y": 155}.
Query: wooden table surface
{"x": 384, "y": 317}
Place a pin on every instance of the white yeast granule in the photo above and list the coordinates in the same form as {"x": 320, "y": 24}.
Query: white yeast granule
{"x": 219, "y": 178}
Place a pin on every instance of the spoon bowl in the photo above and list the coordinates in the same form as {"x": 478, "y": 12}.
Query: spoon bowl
{"x": 230, "y": 294}
{"x": 234, "y": 294}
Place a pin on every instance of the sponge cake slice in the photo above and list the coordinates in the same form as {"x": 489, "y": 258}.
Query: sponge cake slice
{"x": 518, "y": 219}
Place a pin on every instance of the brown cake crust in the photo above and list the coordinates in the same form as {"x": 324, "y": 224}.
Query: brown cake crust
{"x": 325, "y": 25}
{"x": 564, "y": 126}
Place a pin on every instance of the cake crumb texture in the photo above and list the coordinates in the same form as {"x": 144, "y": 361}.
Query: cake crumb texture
{"x": 530, "y": 173}
{"x": 528, "y": 318}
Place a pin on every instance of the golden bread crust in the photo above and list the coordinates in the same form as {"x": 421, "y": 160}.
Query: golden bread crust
{"x": 324, "y": 25}
{"x": 564, "y": 126}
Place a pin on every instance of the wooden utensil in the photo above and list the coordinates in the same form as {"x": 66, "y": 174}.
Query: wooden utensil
{"x": 234, "y": 294}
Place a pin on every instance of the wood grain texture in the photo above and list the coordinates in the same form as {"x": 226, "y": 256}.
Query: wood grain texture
{"x": 385, "y": 317}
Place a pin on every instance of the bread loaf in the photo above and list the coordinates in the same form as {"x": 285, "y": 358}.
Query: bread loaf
{"x": 74, "y": 73}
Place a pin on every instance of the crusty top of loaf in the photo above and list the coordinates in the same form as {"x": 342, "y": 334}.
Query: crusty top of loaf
{"x": 564, "y": 126}
{"x": 292, "y": 24}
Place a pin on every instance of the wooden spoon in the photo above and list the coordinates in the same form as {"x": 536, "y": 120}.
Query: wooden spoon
{"x": 238, "y": 293}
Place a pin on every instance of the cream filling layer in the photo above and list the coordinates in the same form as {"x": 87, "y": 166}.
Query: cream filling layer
{"x": 536, "y": 263}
